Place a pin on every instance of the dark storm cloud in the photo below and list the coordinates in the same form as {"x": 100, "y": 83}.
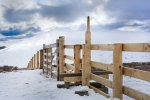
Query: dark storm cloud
{"x": 70, "y": 11}
{"x": 62, "y": 13}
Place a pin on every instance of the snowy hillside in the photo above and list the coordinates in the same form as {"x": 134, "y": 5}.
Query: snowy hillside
{"x": 20, "y": 53}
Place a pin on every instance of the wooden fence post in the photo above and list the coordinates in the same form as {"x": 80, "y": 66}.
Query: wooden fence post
{"x": 117, "y": 71}
{"x": 41, "y": 59}
{"x": 61, "y": 55}
{"x": 32, "y": 62}
{"x": 77, "y": 61}
{"x": 37, "y": 59}
{"x": 88, "y": 52}
{"x": 83, "y": 66}
{"x": 57, "y": 58}
{"x": 49, "y": 61}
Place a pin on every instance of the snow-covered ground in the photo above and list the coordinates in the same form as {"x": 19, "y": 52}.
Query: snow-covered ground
{"x": 32, "y": 85}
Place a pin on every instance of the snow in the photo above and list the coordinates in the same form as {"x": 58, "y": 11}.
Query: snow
{"x": 32, "y": 85}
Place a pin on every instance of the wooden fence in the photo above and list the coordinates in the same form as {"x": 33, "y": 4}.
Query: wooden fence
{"x": 36, "y": 61}
{"x": 82, "y": 68}
{"x": 50, "y": 57}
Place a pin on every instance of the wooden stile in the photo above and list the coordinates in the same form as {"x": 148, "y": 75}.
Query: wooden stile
{"x": 43, "y": 59}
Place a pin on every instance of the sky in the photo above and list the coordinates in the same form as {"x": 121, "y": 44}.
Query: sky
{"x": 22, "y": 19}
{"x": 25, "y": 25}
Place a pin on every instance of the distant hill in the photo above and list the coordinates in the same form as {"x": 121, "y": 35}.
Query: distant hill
{"x": 2, "y": 47}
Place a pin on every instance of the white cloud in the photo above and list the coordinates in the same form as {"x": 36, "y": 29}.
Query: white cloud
{"x": 20, "y": 4}
{"x": 136, "y": 25}
{"x": 101, "y": 17}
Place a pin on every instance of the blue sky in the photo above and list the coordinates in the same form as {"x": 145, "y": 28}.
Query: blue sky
{"x": 22, "y": 19}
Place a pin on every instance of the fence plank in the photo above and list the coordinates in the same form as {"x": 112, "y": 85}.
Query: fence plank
{"x": 140, "y": 74}
{"x": 99, "y": 91}
{"x": 137, "y": 47}
{"x": 69, "y": 57}
{"x": 53, "y": 45}
{"x": 69, "y": 66}
{"x": 106, "y": 47}
{"x": 73, "y": 79}
{"x": 101, "y": 80}
{"x": 69, "y": 46}
{"x": 107, "y": 67}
